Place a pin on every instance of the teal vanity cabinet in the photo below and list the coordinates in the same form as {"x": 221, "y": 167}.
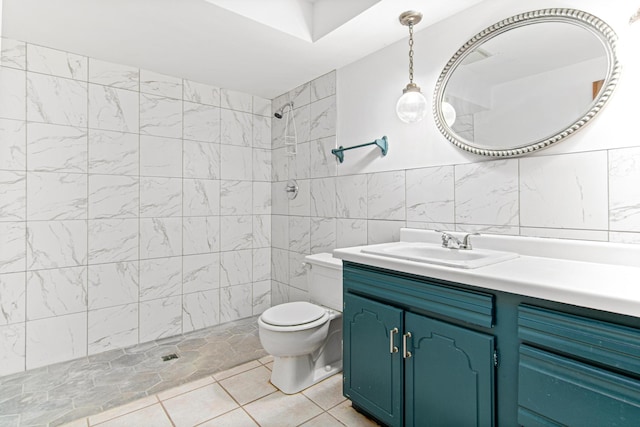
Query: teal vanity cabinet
{"x": 373, "y": 377}
{"x": 426, "y": 352}
{"x": 403, "y": 364}
{"x": 588, "y": 370}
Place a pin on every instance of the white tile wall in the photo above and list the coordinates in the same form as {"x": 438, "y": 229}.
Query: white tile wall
{"x": 430, "y": 194}
{"x": 56, "y": 339}
{"x": 112, "y": 327}
{"x": 114, "y": 153}
{"x": 56, "y": 63}
{"x": 236, "y": 128}
{"x": 12, "y": 144}
{"x": 160, "y": 84}
{"x": 13, "y": 254}
{"x": 12, "y": 348}
{"x": 237, "y": 101}
{"x": 386, "y": 195}
{"x": 13, "y": 54}
{"x": 13, "y": 188}
{"x": 113, "y": 196}
{"x": 323, "y": 197}
{"x": 487, "y": 193}
{"x": 592, "y": 195}
{"x": 624, "y": 197}
{"x": 12, "y": 304}
{"x": 113, "y": 284}
{"x": 568, "y": 191}
{"x": 160, "y": 318}
{"x": 114, "y": 75}
{"x": 55, "y": 244}
{"x": 201, "y": 93}
{"x": 160, "y": 116}
{"x": 56, "y": 292}
{"x": 111, "y": 108}
{"x": 201, "y": 310}
{"x": 112, "y": 183}
{"x": 112, "y": 240}
{"x": 160, "y": 278}
{"x": 201, "y": 272}
{"x": 54, "y": 148}
{"x": 12, "y": 102}
{"x": 322, "y": 117}
{"x": 151, "y": 205}
{"x": 261, "y": 231}
{"x": 201, "y": 122}
{"x": 53, "y": 99}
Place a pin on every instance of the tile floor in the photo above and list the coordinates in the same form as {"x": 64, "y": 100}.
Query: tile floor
{"x": 238, "y": 397}
{"x": 63, "y": 392}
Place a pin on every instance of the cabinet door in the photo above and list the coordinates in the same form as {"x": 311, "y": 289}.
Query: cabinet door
{"x": 372, "y": 373}
{"x": 449, "y": 377}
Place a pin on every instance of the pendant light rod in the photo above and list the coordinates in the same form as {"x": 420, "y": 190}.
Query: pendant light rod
{"x": 409, "y": 19}
{"x": 412, "y": 105}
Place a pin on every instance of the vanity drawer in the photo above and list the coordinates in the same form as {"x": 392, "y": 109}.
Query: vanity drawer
{"x": 553, "y": 390}
{"x": 425, "y": 294}
{"x": 601, "y": 342}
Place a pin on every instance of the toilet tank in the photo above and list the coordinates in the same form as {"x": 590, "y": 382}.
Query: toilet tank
{"x": 324, "y": 279}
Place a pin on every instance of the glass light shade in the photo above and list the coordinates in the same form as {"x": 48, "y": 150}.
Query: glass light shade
{"x": 412, "y": 106}
{"x": 449, "y": 113}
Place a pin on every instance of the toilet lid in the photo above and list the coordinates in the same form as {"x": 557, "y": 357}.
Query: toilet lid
{"x": 292, "y": 313}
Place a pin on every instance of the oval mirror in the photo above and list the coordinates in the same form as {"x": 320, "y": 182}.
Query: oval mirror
{"x": 526, "y": 82}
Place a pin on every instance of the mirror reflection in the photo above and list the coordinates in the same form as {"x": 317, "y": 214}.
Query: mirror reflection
{"x": 524, "y": 85}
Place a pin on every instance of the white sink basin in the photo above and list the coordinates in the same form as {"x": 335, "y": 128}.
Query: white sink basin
{"x": 435, "y": 254}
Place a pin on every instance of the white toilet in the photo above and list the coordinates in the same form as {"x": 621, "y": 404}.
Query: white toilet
{"x": 305, "y": 339}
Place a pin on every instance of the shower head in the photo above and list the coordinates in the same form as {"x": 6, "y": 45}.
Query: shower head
{"x": 278, "y": 114}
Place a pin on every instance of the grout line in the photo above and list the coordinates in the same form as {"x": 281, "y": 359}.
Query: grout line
{"x": 87, "y": 221}
{"x": 26, "y": 204}
{"x": 138, "y": 305}
{"x": 218, "y": 289}
{"x": 519, "y": 194}
{"x": 182, "y": 200}
{"x": 250, "y": 416}
{"x": 165, "y": 411}
{"x": 607, "y": 169}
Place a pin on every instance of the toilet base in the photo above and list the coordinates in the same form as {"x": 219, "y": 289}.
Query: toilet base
{"x": 292, "y": 374}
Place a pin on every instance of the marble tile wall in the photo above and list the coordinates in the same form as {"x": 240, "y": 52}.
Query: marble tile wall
{"x": 133, "y": 206}
{"x": 591, "y": 195}
{"x": 306, "y": 224}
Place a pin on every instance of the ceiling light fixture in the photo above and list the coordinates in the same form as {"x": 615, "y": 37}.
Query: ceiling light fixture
{"x": 412, "y": 105}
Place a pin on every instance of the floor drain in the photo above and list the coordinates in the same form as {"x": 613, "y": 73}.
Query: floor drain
{"x": 169, "y": 357}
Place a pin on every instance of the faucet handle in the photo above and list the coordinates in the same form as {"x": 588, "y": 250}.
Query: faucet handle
{"x": 466, "y": 241}
{"x": 450, "y": 241}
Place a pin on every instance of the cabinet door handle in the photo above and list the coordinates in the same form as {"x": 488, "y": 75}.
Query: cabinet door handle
{"x": 405, "y": 353}
{"x": 392, "y": 348}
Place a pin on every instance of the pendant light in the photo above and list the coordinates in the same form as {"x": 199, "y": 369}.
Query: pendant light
{"x": 412, "y": 105}
{"x": 449, "y": 113}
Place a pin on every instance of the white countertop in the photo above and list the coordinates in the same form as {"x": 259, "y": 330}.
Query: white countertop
{"x": 602, "y": 276}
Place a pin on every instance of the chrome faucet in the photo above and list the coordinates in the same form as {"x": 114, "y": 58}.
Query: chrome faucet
{"x": 450, "y": 241}
{"x": 466, "y": 241}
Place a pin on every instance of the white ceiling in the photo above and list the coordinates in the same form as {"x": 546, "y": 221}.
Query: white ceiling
{"x": 205, "y": 42}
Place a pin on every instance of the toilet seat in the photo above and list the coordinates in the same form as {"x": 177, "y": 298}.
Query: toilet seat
{"x": 293, "y": 314}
